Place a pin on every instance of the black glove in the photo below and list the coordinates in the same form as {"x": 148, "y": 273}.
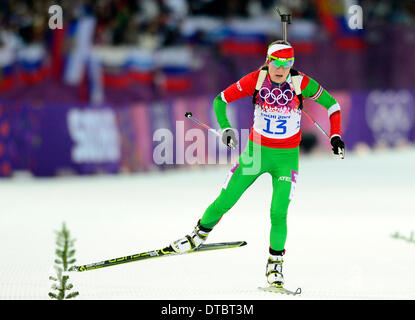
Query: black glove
{"x": 338, "y": 146}
{"x": 229, "y": 138}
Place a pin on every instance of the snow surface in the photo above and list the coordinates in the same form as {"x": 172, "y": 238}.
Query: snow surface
{"x": 339, "y": 242}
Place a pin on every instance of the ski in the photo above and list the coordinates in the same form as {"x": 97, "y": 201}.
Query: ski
{"x": 281, "y": 290}
{"x": 167, "y": 251}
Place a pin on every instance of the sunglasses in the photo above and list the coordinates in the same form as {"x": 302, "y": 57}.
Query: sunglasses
{"x": 281, "y": 62}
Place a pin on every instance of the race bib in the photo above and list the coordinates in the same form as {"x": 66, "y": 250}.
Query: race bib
{"x": 277, "y": 125}
{"x": 276, "y": 113}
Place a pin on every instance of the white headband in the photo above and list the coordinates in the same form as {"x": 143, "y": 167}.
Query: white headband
{"x": 276, "y": 47}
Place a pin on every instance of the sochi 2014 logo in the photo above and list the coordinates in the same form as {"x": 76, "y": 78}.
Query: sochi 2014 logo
{"x": 390, "y": 115}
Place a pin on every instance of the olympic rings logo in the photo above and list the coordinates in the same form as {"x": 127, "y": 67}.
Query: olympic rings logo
{"x": 286, "y": 96}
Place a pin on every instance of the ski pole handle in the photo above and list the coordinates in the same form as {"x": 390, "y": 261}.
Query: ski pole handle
{"x": 190, "y": 116}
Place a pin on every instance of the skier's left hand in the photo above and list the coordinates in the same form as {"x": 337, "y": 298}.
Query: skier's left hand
{"x": 229, "y": 138}
{"x": 338, "y": 146}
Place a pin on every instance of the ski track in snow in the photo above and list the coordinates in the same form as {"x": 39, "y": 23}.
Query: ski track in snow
{"x": 339, "y": 243}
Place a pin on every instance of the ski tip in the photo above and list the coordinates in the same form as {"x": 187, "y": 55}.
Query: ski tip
{"x": 282, "y": 290}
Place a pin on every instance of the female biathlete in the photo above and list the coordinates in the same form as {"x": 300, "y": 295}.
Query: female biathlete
{"x": 273, "y": 147}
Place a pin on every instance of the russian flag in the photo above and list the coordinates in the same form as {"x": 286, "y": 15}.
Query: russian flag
{"x": 240, "y": 40}
{"x": 114, "y": 66}
{"x": 175, "y": 66}
{"x": 7, "y": 69}
{"x": 124, "y": 66}
{"x": 248, "y": 37}
{"x": 7, "y": 77}
{"x": 302, "y": 35}
{"x": 33, "y": 64}
{"x": 141, "y": 66}
{"x": 243, "y": 45}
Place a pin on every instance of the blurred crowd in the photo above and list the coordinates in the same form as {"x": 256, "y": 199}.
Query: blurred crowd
{"x": 152, "y": 23}
{"x": 156, "y": 23}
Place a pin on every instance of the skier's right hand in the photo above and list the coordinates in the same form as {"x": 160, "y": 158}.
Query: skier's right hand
{"x": 229, "y": 138}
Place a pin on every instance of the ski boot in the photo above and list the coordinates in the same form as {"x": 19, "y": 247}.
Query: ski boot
{"x": 192, "y": 241}
{"x": 274, "y": 271}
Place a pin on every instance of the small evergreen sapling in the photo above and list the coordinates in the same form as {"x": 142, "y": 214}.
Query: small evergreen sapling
{"x": 65, "y": 258}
